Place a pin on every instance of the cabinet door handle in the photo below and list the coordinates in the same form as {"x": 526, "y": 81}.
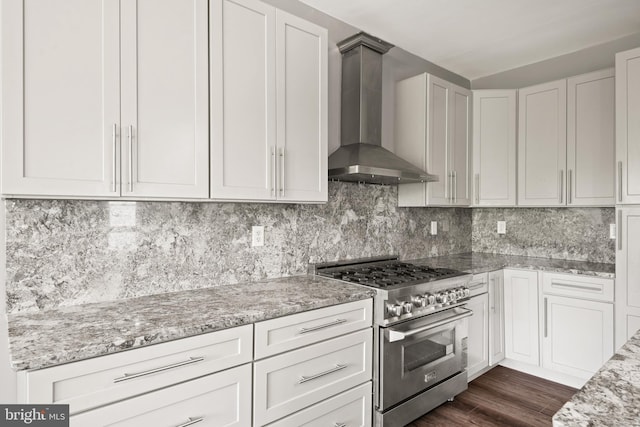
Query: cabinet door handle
{"x": 619, "y": 230}
{"x": 130, "y": 139}
{"x": 191, "y": 421}
{"x": 282, "y": 172}
{"x": 323, "y": 326}
{"x": 545, "y": 317}
{"x": 455, "y": 187}
{"x": 273, "y": 170}
{"x": 477, "y": 189}
{"x": 127, "y": 377}
{"x": 570, "y": 186}
{"x": 492, "y": 292}
{"x": 620, "y": 181}
{"x": 114, "y": 158}
{"x": 339, "y": 425}
{"x": 304, "y": 379}
{"x": 556, "y": 284}
{"x": 561, "y": 184}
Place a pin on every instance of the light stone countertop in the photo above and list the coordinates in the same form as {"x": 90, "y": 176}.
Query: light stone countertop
{"x": 611, "y": 397}
{"x": 475, "y": 262}
{"x": 67, "y": 334}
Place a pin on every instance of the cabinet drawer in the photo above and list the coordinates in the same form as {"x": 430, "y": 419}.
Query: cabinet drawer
{"x": 292, "y": 381}
{"x": 287, "y": 333}
{"x": 479, "y": 284}
{"x": 587, "y": 287}
{"x": 95, "y": 382}
{"x": 222, "y": 399}
{"x": 351, "y": 408}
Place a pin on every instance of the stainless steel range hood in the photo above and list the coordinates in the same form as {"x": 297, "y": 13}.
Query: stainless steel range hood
{"x": 361, "y": 157}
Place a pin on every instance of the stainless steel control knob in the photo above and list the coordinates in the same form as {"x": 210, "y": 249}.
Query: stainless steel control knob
{"x": 467, "y": 292}
{"x": 453, "y": 296}
{"x": 394, "y": 310}
{"x": 442, "y": 298}
{"x": 419, "y": 301}
{"x": 460, "y": 292}
{"x": 407, "y": 307}
{"x": 431, "y": 299}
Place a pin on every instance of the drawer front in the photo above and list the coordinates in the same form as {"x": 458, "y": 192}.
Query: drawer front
{"x": 479, "y": 284}
{"x": 290, "y": 332}
{"x": 292, "y": 381}
{"x": 222, "y": 399}
{"x": 571, "y": 285}
{"x": 351, "y": 408}
{"x": 95, "y": 382}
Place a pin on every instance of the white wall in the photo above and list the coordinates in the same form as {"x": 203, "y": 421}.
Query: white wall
{"x": 580, "y": 62}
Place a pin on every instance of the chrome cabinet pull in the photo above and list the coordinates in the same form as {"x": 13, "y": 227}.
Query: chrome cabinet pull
{"x": 191, "y": 421}
{"x": 114, "y": 158}
{"x": 325, "y": 325}
{"x": 619, "y": 230}
{"x": 273, "y": 170}
{"x": 570, "y": 186}
{"x": 282, "y": 172}
{"x": 561, "y": 185}
{"x": 492, "y": 291}
{"x": 476, "y": 286}
{"x": 127, "y": 377}
{"x": 574, "y": 286}
{"x": 620, "y": 181}
{"x": 339, "y": 425}
{"x": 545, "y": 317}
{"x": 477, "y": 189}
{"x": 130, "y": 138}
{"x": 455, "y": 187}
{"x": 304, "y": 379}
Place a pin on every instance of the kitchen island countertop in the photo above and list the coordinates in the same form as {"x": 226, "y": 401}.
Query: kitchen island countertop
{"x": 477, "y": 262}
{"x": 67, "y": 334}
{"x": 611, "y": 397}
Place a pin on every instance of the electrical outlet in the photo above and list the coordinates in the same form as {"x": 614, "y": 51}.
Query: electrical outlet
{"x": 434, "y": 228}
{"x": 502, "y": 227}
{"x": 257, "y": 235}
{"x": 612, "y": 231}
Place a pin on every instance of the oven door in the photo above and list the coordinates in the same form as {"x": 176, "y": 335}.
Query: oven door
{"x": 420, "y": 353}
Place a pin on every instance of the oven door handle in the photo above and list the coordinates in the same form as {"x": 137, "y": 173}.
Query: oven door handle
{"x": 395, "y": 335}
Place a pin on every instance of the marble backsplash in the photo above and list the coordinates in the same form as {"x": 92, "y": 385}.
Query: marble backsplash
{"x": 63, "y": 253}
{"x": 580, "y": 234}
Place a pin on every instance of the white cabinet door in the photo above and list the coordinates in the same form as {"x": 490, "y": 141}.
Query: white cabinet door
{"x": 459, "y": 145}
{"x": 60, "y": 97}
{"x": 165, "y": 116}
{"x": 496, "y": 317}
{"x": 628, "y": 125}
{"x": 627, "y": 287}
{"x": 438, "y": 97}
{"x": 590, "y": 139}
{"x": 521, "y": 316}
{"x": 302, "y": 89}
{"x": 494, "y": 147}
{"x": 243, "y": 100}
{"x": 542, "y": 144}
{"x": 478, "y": 340}
{"x": 577, "y": 335}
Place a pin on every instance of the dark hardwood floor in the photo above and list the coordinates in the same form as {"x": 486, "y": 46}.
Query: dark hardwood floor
{"x": 501, "y": 397}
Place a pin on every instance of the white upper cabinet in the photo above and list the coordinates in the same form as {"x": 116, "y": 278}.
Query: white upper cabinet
{"x": 268, "y": 104}
{"x": 494, "y": 148}
{"x": 434, "y": 137}
{"x": 590, "y": 139}
{"x": 542, "y": 144}
{"x": 60, "y": 97}
{"x": 103, "y": 98}
{"x": 165, "y": 107}
{"x": 628, "y": 126}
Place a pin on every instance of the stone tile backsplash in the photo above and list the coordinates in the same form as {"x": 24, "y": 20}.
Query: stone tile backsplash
{"x": 580, "y": 234}
{"x": 62, "y": 252}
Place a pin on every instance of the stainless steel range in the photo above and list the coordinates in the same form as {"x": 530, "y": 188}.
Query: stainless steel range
{"x": 420, "y": 354}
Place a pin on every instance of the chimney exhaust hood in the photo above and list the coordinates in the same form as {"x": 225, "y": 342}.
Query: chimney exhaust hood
{"x": 361, "y": 157}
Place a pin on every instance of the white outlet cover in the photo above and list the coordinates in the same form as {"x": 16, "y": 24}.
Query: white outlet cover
{"x": 257, "y": 235}
{"x": 612, "y": 231}
{"x": 434, "y": 228}
{"x": 502, "y": 227}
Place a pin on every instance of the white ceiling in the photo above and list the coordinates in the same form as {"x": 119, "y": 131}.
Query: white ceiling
{"x": 476, "y": 38}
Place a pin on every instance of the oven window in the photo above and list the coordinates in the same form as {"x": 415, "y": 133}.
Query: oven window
{"x": 428, "y": 349}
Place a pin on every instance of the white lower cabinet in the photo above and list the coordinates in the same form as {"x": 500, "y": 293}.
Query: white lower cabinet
{"x": 292, "y": 381}
{"x": 478, "y": 340}
{"x": 521, "y": 316}
{"x": 627, "y": 272}
{"x": 496, "y": 317}
{"x": 351, "y": 408}
{"x": 217, "y": 400}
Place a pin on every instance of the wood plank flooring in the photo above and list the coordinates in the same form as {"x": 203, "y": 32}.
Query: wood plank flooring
{"x": 501, "y": 397}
